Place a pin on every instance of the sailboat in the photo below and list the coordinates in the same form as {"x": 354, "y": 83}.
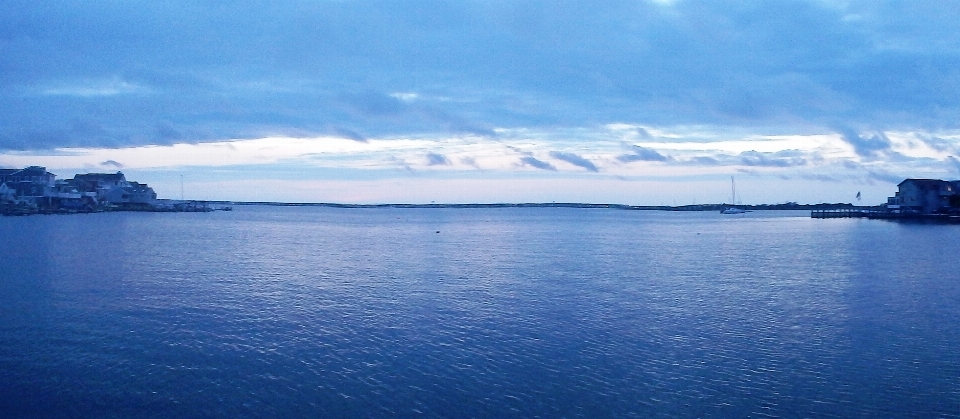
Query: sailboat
{"x": 733, "y": 198}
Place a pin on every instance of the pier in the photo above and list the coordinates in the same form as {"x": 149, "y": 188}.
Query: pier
{"x": 875, "y": 214}
{"x": 840, "y": 213}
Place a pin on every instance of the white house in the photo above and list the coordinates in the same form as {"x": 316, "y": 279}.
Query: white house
{"x": 135, "y": 194}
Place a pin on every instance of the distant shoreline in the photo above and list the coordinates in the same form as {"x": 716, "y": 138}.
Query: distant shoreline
{"x": 208, "y": 206}
{"x": 701, "y": 207}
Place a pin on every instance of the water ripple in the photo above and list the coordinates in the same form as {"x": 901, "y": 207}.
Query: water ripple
{"x": 307, "y": 312}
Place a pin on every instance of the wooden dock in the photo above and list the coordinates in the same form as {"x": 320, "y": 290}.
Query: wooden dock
{"x": 839, "y": 213}
{"x": 874, "y": 214}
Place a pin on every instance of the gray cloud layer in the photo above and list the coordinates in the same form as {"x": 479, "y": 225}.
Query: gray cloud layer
{"x": 436, "y": 159}
{"x": 642, "y": 154}
{"x": 120, "y": 73}
{"x": 539, "y": 164}
{"x": 574, "y": 160}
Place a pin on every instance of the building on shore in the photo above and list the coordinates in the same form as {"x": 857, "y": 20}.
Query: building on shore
{"x": 115, "y": 189}
{"x": 27, "y": 184}
{"x": 926, "y": 196}
{"x": 34, "y": 189}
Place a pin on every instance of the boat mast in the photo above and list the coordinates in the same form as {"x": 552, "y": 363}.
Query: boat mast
{"x": 733, "y": 192}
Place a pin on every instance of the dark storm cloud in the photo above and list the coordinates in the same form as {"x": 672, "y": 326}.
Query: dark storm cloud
{"x": 539, "y": 164}
{"x": 574, "y": 160}
{"x": 187, "y": 71}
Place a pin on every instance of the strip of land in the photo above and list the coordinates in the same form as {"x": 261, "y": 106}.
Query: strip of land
{"x": 699, "y": 207}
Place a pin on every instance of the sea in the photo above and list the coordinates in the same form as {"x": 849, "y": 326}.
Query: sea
{"x": 323, "y": 312}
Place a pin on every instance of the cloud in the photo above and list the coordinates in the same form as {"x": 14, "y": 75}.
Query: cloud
{"x": 533, "y": 162}
{"x": 955, "y": 163}
{"x": 819, "y": 177}
{"x": 95, "y": 88}
{"x": 374, "y": 104}
{"x": 870, "y": 146}
{"x": 884, "y": 176}
{"x": 786, "y": 158}
{"x": 705, "y": 161}
{"x": 405, "y": 96}
{"x": 458, "y": 124}
{"x": 434, "y": 159}
{"x": 398, "y": 112}
{"x": 207, "y": 71}
{"x": 402, "y": 164}
{"x": 574, "y": 160}
{"x": 642, "y": 154}
{"x": 937, "y": 143}
{"x": 167, "y": 133}
{"x": 643, "y": 134}
{"x": 346, "y": 133}
{"x": 849, "y": 164}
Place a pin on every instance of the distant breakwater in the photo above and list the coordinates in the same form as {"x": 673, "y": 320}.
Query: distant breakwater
{"x": 209, "y": 206}
{"x": 164, "y": 206}
{"x": 701, "y": 207}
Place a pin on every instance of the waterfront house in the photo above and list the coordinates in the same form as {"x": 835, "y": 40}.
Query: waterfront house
{"x": 70, "y": 199}
{"x": 32, "y": 174}
{"x": 5, "y": 173}
{"x": 38, "y": 190}
{"x": 101, "y": 183}
{"x": 115, "y": 189}
{"x": 7, "y": 194}
{"x": 31, "y": 185}
{"x": 133, "y": 195}
{"x": 926, "y": 196}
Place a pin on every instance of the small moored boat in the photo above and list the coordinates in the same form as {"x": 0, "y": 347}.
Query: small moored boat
{"x": 733, "y": 198}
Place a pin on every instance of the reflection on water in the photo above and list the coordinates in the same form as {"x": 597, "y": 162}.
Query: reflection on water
{"x": 477, "y": 313}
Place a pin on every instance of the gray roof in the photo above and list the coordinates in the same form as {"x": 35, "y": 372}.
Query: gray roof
{"x": 100, "y": 176}
{"x": 28, "y": 171}
{"x": 921, "y": 181}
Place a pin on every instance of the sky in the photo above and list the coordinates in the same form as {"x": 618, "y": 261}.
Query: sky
{"x": 637, "y": 102}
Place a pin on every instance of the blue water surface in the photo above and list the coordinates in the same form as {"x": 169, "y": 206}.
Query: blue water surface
{"x": 495, "y": 312}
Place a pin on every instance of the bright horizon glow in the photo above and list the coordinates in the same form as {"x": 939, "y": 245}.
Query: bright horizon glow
{"x": 681, "y": 165}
